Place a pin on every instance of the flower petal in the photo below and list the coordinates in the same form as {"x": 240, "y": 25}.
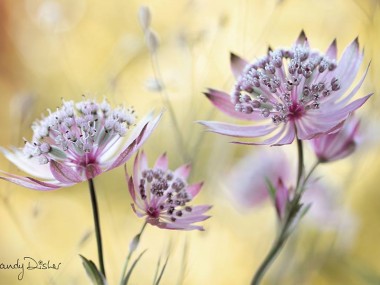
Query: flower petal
{"x": 31, "y": 183}
{"x": 162, "y": 162}
{"x": 138, "y": 141}
{"x": 194, "y": 189}
{"x": 222, "y": 101}
{"x": 238, "y": 131}
{"x": 332, "y": 50}
{"x": 64, "y": 173}
{"x": 302, "y": 39}
{"x": 237, "y": 65}
{"x": 27, "y": 165}
{"x": 183, "y": 171}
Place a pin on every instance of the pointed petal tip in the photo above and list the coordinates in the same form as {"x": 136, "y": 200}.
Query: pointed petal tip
{"x": 302, "y": 36}
{"x": 233, "y": 56}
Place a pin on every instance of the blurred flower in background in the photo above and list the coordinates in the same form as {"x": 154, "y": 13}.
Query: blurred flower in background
{"x": 337, "y": 145}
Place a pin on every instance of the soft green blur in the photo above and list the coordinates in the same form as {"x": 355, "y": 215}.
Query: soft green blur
{"x": 53, "y": 49}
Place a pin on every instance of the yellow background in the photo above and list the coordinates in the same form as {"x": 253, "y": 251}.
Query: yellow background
{"x": 52, "y": 49}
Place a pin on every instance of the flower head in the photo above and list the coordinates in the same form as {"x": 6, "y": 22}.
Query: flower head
{"x": 337, "y": 145}
{"x": 78, "y": 142}
{"x": 162, "y": 195}
{"x": 295, "y": 92}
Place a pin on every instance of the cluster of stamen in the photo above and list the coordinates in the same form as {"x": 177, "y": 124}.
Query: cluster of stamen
{"x": 78, "y": 132}
{"x": 285, "y": 84}
{"x": 165, "y": 194}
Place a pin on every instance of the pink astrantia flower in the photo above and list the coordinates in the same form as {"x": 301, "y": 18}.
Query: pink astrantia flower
{"x": 337, "y": 145}
{"x": 248, "y": 179}
{"x": 78, "y": 142}
{"x": 295, "y": 92}
{"x": 162, "y": 195}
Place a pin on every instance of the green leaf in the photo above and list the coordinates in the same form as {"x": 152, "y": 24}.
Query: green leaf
{"x": 271, "y": 190}
{"x": 157, "y": 282}
{"x": 126, "y": 279}
{"x": 95, "y": 275}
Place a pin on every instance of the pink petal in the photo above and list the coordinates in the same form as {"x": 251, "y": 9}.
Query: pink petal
{"x": 123, "y": 156}
{"x": 348, "y": 66}
{"x": 144, "y": 134}
{"x": 194, "y": 189}
{"x": 174, "y": 226}
{"x": 93, "y": 170}
{"x": 27, "y": 165}
{"x": 332, "y": 50}
{"x": 302, "y": 39}
{"x": 183, "y": 171}
{"x": 198, "y": 210}
{"x": 351, "y": 107}
{"x": 162, "y": 162}
{"x": 237, "y": 65}
{"x": 31, "y": 183}
{"x": 355, "y": 90}
{"x": 282, "y": 196}
{"x": 270, "y": 141}
{"x": 190, "y": 218}
{"x": 237, "y": 130}
{"x": 143, "y": 162}
{"x": 64, "y": 173}
{"x": 289, "y": 136}
{"x": 136, "y": 169}
{"x": 222, "y": 101}
{"x": 131, "y": 188}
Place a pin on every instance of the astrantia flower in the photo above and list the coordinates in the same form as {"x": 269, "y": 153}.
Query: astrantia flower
{"x": 163, "y": 196}
{"x": 76, "y": 143}
{"x": 296, "y": 92}
{"x": 337, "y": 145}
{"x": 250, "y": 179}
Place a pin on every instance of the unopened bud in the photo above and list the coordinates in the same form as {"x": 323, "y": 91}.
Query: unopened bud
{"x": 144, "y": 17}
{"x": 152, "y": 40}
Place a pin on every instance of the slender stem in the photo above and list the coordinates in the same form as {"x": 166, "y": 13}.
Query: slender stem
{"x": 308, "y": 175}
{"x": 97, "y": 225}
{"x": 300, "y": 163}
{"x": 132, "y": 249}
{"x": 283, "y": 235}
{"x": 165, "y": 98}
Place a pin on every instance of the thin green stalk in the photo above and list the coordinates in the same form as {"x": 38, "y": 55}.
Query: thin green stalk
{"x": 165, "y": 98}
{"x": 132, "y": 249}
{"x": 283, "y": 235}
{"x": 97, "y": 226}
{"x": 308, "y": 175}
{"x": 300, "y": 163}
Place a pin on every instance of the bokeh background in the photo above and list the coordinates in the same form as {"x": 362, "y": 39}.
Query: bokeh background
{"x": 51, "y": 49}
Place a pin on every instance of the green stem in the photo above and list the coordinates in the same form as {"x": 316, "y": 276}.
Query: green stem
{"x": 300, "y": 163}
{"x": 283, "y": 235}
{"x": 130, "y": 253}
{"x": 308, "y": 175}
{"x": 97, "y": 225}
{"x": 165, "y": 98}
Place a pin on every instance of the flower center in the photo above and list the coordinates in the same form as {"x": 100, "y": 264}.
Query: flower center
{"x": 295, "y": 111}
{"x": 285, "y": 84}
{"x": 164, "y": 193}
{"x": 78, "y": 134}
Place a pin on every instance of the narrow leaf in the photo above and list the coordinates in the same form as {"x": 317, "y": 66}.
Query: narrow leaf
{"x": 162, "y": 272}
{"x": 126, "y": 279}
{"x": 95, "y": 275}
{"x": 271, "y": 190}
